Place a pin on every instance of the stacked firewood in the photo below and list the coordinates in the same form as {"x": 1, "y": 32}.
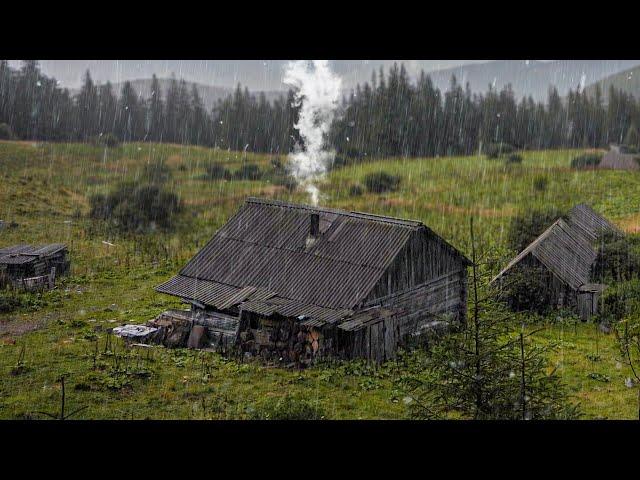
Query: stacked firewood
{"x": 284, "y": 343}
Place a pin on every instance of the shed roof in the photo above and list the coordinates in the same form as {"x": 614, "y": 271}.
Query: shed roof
{"x": 264, "y": 246}
{"x": 619, "y": 161}
{"x": 566, "y": 247}
{"x": 20, "y": 254}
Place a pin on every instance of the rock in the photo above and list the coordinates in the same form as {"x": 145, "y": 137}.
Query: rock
{"x": 605, "y": 328}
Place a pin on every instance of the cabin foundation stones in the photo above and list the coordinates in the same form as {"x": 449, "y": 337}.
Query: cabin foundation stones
{"x": 288, "y": 284}
{"x": 29, "y": 268}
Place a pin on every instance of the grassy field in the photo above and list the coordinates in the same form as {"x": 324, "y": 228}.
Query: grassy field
{"x": 45, "y": 190}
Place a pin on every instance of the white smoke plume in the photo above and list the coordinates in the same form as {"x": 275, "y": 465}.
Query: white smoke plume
{"x": 317, "y": 90}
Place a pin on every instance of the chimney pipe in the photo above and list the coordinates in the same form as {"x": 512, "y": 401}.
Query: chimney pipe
{"x": 314, "y": 229}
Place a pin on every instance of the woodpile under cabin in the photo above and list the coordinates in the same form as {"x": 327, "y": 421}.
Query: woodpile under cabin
{"x": 28, "y": 267}
{"x": 291, "y": 283}
{"x": 564, "y": 255}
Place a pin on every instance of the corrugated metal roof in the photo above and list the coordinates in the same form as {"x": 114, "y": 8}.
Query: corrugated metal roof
{"x": 264, "y": 245}
{"x": 566, "y": 247}
{"x": 251, "y": 299}
{"x": 589, "y": 223}
{"x": 23, "y": 253}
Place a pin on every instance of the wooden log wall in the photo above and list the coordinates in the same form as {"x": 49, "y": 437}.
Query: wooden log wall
{"x": 445, "y": 295}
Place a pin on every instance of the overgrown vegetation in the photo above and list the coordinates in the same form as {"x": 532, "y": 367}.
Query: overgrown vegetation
{"x": 514, "y": 159}
{"x": 586, "y": 160}
{"x": 215, "y": 171}
{"x": 488, "y": 371}
{"x": 526, "y": 288}
{"x": 137, "y": 208}
{"x": 497, "y": 150}
{"x": 5, "y": 132}
{"x": 381, "y": 182}
{"x": 526, "y": 226}
{"x": 618, "y": 258}
{"x": 287, "y": 408}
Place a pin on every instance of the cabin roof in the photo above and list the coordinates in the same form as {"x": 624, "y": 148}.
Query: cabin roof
{"x": 264, "y": 248}
{"x": 566, "y": 247}
{"x": 21, "y": 254}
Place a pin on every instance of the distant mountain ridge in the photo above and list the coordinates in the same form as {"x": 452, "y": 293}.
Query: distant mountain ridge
{"x": 628, "y": 81}
{"x": 530, "y": 77}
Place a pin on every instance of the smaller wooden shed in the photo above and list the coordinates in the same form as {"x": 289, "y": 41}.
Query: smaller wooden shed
{"x": 617, "y": 159}
{"x": 566, "y": 252}
{"x": 31, "y": 267}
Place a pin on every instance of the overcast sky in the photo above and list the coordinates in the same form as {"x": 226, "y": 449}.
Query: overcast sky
{"x": 255, "y": 74}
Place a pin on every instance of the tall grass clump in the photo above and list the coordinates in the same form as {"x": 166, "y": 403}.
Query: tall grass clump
{"x": 380, "y": 182}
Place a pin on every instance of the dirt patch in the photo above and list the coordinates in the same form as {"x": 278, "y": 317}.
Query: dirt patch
{"x": 630, "y": 224}
{"x": 9, "y": 329}
{"x": 174, "y": 160}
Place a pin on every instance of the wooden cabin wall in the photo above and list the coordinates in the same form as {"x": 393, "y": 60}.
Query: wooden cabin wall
{"x": 444, "y": 295}
{"x": 423, "y": 258}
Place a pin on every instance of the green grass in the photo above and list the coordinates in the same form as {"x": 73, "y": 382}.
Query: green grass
{"x": 45, "y": 189}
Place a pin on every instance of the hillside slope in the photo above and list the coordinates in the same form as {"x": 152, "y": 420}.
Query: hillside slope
{"x": 628, "y": 81}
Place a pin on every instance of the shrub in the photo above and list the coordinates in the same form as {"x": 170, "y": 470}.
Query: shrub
{"x": 9, "y": 302}
{"x": 286, "y": 181}
{"x": 5, "y": 132}
{"x": 618, "y": 258}
{"x": 621, "y": 300}
{"x": 526, "y": 288}
{"x": 106, "y": 140}
{"x": 586, "y": 160}
{"x": 540, "y": 183}
{"x": 215, "y": 171}
{"x": 156, "y": 172}
{"x": 629, "y": 149}
{"x": 514, "y": 158}
{"x": 496, "y": 150}
{"x": 528, "y": 225}
{"x": 136, "y": 208}
{"x": 380, "y": 182}
{"x": 287, "y": 408}
{"x": 355, "y": 190}
{"x": 249, "y": 171}
{"x": 338, "y": 162}
{"x": 276, "y": 163}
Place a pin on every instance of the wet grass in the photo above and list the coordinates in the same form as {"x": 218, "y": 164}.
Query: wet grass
{"x": 45, "y": 190}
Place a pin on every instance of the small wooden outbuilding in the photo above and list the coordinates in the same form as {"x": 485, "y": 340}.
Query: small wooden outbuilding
{"x": 30, "y": 267}
{"x": 291, "y": 283}
{"x": 566, "y": 252}
{"x": 616, "y": 159}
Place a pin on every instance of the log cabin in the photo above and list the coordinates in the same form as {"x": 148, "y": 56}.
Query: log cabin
{"x": 30, "y": 267}
{"x": 292, "y": 283}
{"x": 565, "y": 254}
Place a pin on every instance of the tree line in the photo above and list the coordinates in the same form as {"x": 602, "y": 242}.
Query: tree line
{"x": 388, "y": 116}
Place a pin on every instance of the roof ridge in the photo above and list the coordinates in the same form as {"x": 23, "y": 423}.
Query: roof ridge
{"x": 353, "y": 213}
